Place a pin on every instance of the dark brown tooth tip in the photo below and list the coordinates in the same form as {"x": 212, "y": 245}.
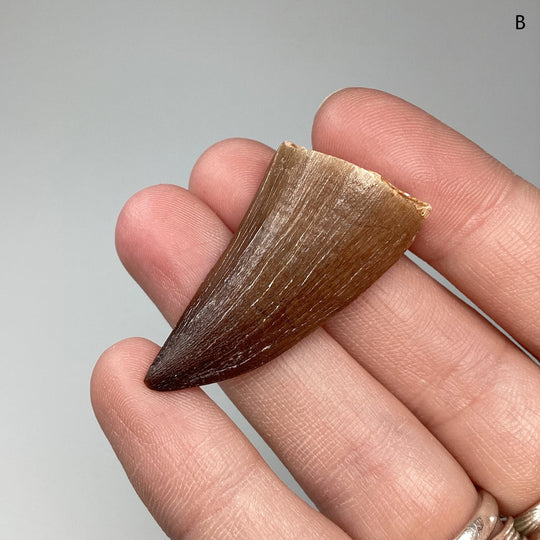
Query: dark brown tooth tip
{"x": 318, "y": 233}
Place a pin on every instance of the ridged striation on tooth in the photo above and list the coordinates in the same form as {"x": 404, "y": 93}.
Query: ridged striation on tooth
{"x": 318, "y": 233}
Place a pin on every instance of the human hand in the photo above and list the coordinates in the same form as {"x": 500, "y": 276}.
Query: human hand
{"x": 390, "y": 414}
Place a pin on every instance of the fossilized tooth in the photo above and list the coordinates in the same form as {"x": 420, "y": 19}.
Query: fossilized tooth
{"x": 319, "y": 231}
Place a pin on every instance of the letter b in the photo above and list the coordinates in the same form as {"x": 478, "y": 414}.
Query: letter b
{"x": 520, "y": 22}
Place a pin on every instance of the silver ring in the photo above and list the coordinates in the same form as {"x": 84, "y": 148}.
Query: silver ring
{"x": 508, "y": 532}
{"x": 528, "y": 522}
{"x": 484, "y": 520}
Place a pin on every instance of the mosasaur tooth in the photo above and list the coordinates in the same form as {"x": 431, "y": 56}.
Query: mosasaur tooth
{"x": 319, "y": 232}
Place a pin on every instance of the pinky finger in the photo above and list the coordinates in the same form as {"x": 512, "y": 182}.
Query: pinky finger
{"x": 192, "y": 467}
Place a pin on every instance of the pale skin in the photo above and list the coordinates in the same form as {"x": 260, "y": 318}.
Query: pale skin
{"x": 392, "y": 414}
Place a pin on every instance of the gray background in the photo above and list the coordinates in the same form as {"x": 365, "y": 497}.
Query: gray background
{"x": 100, "y": 99}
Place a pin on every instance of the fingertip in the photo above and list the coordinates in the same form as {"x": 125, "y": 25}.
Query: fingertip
{"x": 348, "y": 94}
{"x": 158, "y": 240}
{"x": 120, "y": 369}
{"x": 348, "y": 107}
{"x": 228, "y": 155}
{"x": 141, "y": 216}
{"x": 227, "y": 175}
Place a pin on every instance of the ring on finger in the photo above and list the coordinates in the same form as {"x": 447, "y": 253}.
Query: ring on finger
{"x": 528, "y": 522}
{"x": 508, "y": 532}
{"x": 484, "y": 520}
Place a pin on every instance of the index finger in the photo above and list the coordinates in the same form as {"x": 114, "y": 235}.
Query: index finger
{"x": 484, "y": 230}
